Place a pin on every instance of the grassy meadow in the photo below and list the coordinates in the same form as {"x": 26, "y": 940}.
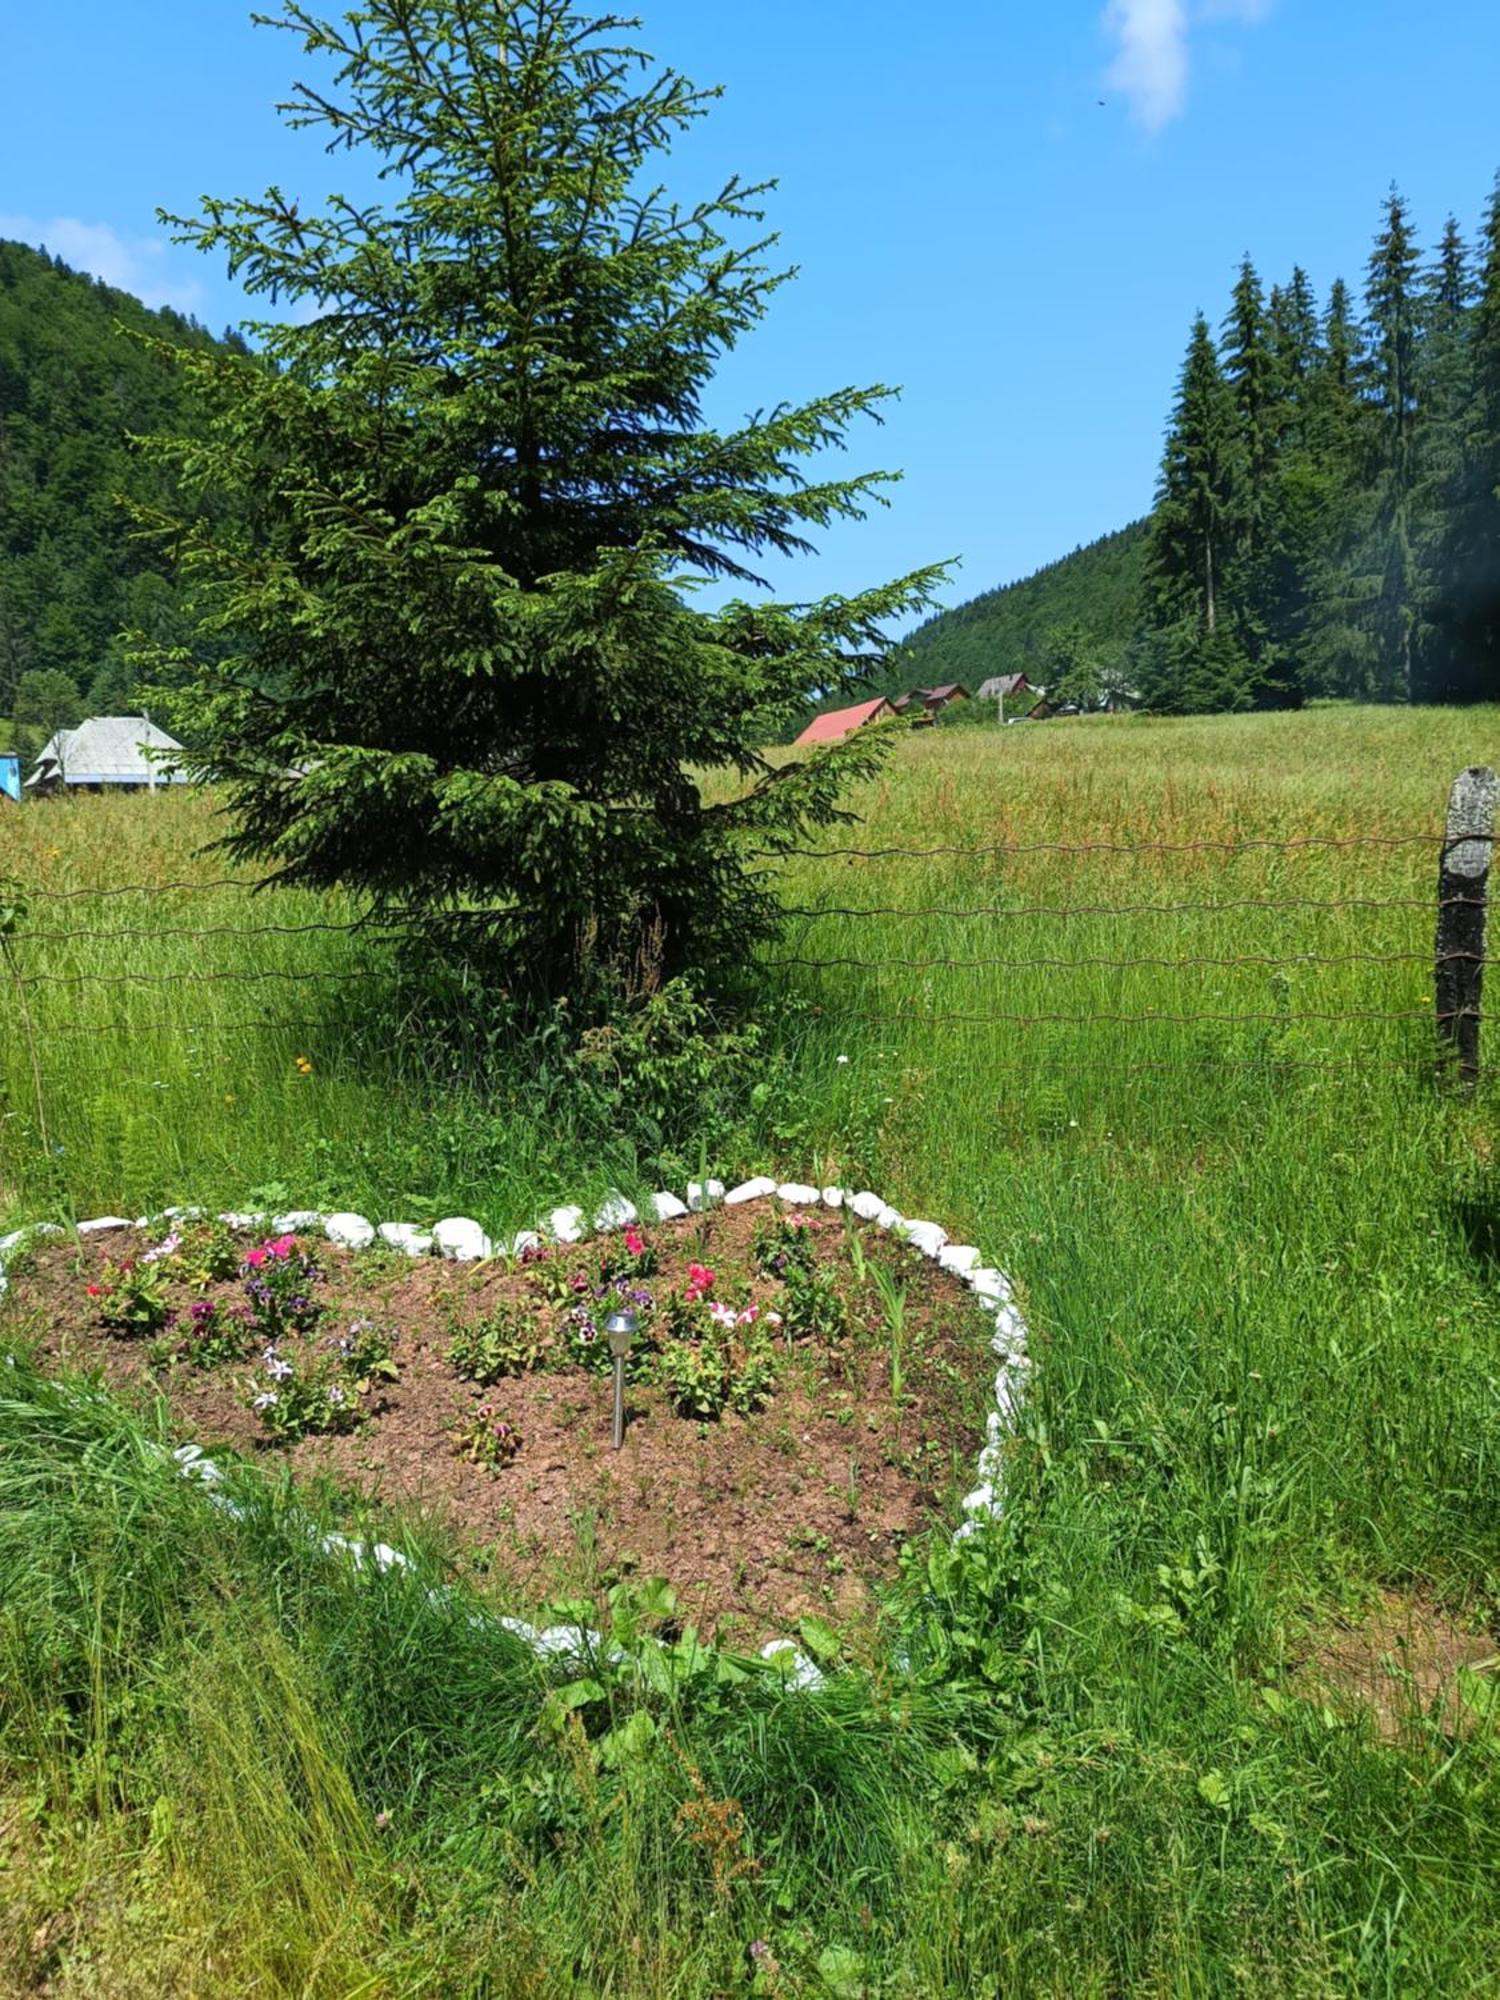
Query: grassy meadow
{"x": 1259, "y": 1252}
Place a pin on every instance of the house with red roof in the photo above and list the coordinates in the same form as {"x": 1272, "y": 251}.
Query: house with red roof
{"x": 841, "y": 722}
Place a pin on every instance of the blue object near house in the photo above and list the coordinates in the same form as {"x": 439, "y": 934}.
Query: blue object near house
{"x": 10, "y": 777}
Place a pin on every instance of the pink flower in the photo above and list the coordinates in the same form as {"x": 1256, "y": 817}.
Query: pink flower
{"x": 255, "y": 1258}
{"x": 721, "y": 1314}
{"x": 635, "y": 1243}
{"x": 750, "y": 1315}
{"x": 701, "y": 1276}
{"x": 283, "y": 1246}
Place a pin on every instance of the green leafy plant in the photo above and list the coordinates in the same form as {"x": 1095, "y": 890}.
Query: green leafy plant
{"x": 717, "y": 1372}
{"x": 132, "y": 1298}
{"x": 321, "y": 1392}
{"x": 214, "y": 1334}
{"x": 507, "y": 1341}
{"x": 485, "y": 1438}
{"x": 813, "y": 1305}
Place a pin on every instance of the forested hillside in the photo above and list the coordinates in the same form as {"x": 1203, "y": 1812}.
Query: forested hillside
{"x": 1095, "y": 591}
{"x": 72, "y": 572}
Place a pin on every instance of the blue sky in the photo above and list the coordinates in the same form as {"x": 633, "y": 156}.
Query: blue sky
{"x": 971, "y": 223}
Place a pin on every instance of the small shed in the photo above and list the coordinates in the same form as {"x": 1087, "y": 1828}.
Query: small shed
{"x": 107, "y": 753}
{"x": 841, "y": 722}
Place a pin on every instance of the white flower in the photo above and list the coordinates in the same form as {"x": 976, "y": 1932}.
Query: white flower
{"x": 841, "y": 1059}
{"x": 265, "y": 1400}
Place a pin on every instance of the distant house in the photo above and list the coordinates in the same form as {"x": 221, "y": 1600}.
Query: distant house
{"x": 1000, "y": 687}
{"x": 107, "y": 753}
{"x": 841, "y": 722}
{"x": 930, "y": 699}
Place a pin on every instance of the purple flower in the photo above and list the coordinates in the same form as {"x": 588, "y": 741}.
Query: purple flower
{"x": 200, "y": 1312}
{"x": 337, "y": 1396}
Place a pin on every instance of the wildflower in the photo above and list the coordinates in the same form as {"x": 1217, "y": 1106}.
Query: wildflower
{"x": 275, "y": 1367}
{"x": 635, "y": 1243}
{"x": 266, "y": 1400}
{"x": 337, "y": 1395}
{"x": 721, "y": 1314}
{"x": 304, "y": 1066}
{"x": 749, "y": 1316}
{"x": 841, "y": 1059}
{"x": 96, "y": 1291}
{"x": 168, "y": 1247}
{"x": 382, "y": 1821}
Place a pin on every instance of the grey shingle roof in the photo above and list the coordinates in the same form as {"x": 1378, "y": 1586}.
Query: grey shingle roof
{"x": 107, "y": 750}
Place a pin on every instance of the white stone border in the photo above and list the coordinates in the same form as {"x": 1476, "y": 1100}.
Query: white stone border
{"x": 462, "y": 1240}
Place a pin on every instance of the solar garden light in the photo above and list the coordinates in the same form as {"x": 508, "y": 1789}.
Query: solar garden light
{"x": 620, "y": 1328}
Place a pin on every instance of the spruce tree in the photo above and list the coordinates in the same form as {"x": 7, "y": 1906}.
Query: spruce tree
{"x": 461, "y": 665}
{"x": 1194, "y": 658}
{"x": 1466, "y": 579}
{"x": 1390, "y": 572}
{"x": 1266, "y": 611}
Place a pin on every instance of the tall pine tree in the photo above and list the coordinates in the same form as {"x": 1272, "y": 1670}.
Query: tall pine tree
{"x": 1389, "y": 564}
{"x": 1466, "y": 566}
{"x": 1193, "y": 658}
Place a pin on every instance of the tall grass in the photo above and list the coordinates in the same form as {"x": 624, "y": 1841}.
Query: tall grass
{"x": 1259, "y": 1258}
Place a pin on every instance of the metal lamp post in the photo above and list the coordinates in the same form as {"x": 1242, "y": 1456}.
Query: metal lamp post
{"x": 620, "y": 1329}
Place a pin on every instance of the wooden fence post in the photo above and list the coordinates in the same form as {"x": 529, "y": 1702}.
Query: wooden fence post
{"x": 1463, "y": 899}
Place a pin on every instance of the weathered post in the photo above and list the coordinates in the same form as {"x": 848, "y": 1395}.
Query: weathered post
{"x": 1463, "y": 906}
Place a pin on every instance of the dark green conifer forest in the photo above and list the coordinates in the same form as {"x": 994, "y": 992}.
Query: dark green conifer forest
{"x": 1327, "y": 517}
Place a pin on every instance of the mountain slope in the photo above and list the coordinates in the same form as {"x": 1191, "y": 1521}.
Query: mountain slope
{"x": 1004, "y": 631}
{"x": 72, "y": 385}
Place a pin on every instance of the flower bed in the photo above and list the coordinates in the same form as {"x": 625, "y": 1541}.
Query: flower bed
{"x": 806, "y": 1392}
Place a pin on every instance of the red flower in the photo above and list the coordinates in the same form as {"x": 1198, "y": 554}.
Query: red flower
{"x": 635, "y": 1243}
{"x": 701, "y": 1280}
{"x": 96, "y": 1291}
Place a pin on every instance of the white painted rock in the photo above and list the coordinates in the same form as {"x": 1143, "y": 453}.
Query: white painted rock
{"x": 8, "y": 1243}
{"x": 297, "y": 1218}
{"x": 405, "y": 1236}
{"x": 704, "y": 1194}
{"x": 928, "y": 1237}
{"x": 887, "y": 1217}
{"x": 242, "y": 1218}
{"x": 959, "y": 1258}
{"x": 103, "y": 1222}
{"x": 980, "y": 1501}
{"x": 755, "y": 1190}
{"x": 566, "y": 1224}
{"x": 616, "y": 1213}
{"x": 835, "y": 1197}
{"x": 1010, "y": 1331}
{"x": 668, "y": 1206}
{"x": 349, "y": 1232}
{"x": 866, "y": 1205}
{"x": 991, "y": 1286}
{"x": 798, "y": 1193}
{"x": 798, "y": 1671}
{"x": 460, "y": 1239}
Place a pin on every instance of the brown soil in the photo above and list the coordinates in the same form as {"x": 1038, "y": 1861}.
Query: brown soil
{"x": 800, "y": 1508}
{"x": 1403, "y": 1662}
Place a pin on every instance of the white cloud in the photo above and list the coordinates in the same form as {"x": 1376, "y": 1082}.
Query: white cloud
{"x": 138, "y": 264}
{"x": 1152, "y": 58}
